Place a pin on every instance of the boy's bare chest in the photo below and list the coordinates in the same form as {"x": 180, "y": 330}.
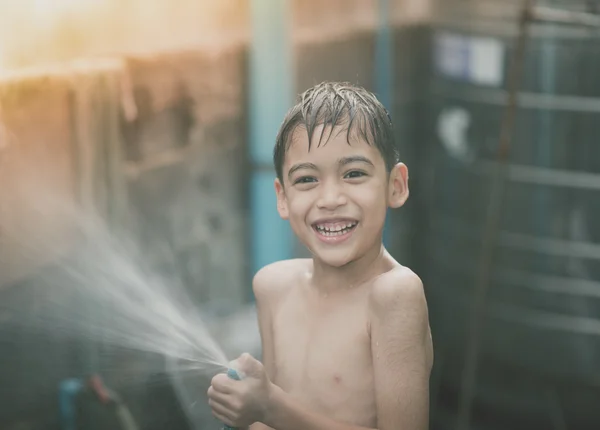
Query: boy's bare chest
{"x": 323, "y": 355}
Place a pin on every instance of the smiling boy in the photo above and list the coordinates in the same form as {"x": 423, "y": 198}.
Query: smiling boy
{"x": 345, "y": 334}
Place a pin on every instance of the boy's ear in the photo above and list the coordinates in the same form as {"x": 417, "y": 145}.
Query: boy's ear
{"x": 398, "y": 186}
{"x": 282, "y": 206}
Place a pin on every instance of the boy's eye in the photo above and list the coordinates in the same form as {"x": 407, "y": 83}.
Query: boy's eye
{"x": 354, "y": 174}
{"x": 305, "y": 180}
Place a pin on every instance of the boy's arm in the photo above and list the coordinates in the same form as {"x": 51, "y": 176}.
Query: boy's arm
{"x": 402, "y": 359}
{"x": 402, "y": 351}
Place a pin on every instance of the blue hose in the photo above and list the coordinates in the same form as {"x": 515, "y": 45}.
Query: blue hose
{"x": 233, "y": 375}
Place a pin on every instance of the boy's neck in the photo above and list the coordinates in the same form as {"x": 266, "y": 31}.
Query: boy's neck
{"x": 328, "y": 278}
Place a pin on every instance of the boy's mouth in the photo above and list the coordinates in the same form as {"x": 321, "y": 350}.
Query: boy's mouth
{"x": 334, "y": 230}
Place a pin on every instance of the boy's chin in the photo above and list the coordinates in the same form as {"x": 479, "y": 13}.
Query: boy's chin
{"x": 333, "y": 258}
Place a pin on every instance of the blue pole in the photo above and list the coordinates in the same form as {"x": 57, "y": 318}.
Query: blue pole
{"x": 384, "y": 55}
{"x": 384, "y": 74}
{"x": 271, "y": 95}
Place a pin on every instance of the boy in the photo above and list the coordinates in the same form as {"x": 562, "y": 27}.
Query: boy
{"x": 345, "y": 335}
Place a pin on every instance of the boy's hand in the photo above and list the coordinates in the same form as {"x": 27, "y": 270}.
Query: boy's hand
{"x": 241, "y": 403}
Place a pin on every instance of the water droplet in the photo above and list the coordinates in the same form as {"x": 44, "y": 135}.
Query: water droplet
{"x": 377, "y": 356}
{"x": 376, "y": 343}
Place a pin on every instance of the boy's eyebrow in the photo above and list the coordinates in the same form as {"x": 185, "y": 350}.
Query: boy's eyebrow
{"x": 342, "y": 162}
{"x": 301, "y": 166}
{"x": 355, "y": 159}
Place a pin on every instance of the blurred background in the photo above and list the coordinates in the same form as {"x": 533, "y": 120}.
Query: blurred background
{"x": 161, "y": 116}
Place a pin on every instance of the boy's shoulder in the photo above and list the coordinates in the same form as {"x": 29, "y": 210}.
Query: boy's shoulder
{"x": 397, "y": 288}
{"x": 397, "y": 299}
{"x": 275, "y": 278}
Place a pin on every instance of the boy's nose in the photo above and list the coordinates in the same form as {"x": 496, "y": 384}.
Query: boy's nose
{"x": 331, "y": 197}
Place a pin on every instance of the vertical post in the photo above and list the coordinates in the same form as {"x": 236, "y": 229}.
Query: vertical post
{"x": 543, "y": 150}
{"x": 493, "y": 221}
{"x": 384, "y": 77}
{"x": 271, "y": 94}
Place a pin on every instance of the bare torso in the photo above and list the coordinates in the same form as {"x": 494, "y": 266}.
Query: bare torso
{"x": 322, "y": 351}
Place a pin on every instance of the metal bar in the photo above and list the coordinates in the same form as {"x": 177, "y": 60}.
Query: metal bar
{"x": 535, "y": 319}
{"x": 527, "y": 100}
{"x": 271, "y": 92}
{"x": 547, "y": 320}
{"x": 494, "y": 213}
{"x": 548, "y": 14}
{"x": 542, "y": 176}
{"x": 549, "y": 284}
{"x": 524, "y": 242}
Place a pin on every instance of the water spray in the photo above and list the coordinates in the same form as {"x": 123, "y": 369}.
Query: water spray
{"x": 105, "y": 291}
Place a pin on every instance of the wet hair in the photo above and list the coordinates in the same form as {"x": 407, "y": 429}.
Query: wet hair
{"x": 334, "y": 104}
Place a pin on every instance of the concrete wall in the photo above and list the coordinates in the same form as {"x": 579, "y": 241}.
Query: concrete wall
{"x": 60, "y": 30}
{"x": 185, "y": 160}
{"x": 26, "y": 151}
{"x": 153, "y": 143}
{"x": 54, "y": 132}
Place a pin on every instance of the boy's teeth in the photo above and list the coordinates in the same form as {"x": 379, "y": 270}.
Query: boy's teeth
{"x": 334, "y": 230}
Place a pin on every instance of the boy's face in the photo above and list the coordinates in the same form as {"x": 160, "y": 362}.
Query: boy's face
{"x": 336, "y": 195}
